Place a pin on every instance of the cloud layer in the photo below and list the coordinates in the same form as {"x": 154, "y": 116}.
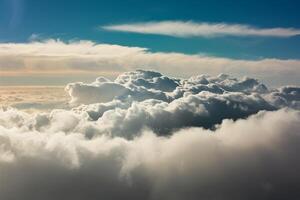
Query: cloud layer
{"x": 149, "y": 136}
{"x": 57, "y": 58}
{"x": 193, "y": 29}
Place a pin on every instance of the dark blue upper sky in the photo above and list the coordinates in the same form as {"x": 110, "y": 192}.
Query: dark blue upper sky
{"x": 78, "y": 19}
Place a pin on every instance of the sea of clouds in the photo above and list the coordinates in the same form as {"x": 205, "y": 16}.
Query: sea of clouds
{"x": 149, "y": 136}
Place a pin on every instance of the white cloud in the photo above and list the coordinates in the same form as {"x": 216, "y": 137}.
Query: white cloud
{"x": 117, "y": 149}
{"x": 193, "y": 29}
{"x": 248, "y": 159}
{"x": 85, "y": 57}
{"x": 57, "y": 48}
{"x": 146, "y": 99}
{"x": 164, "y": 104}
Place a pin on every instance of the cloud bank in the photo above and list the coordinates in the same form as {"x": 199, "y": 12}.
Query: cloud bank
{"x": 247, "y": 159}
{"x": 146, "y": 135}
{"x": 194, "y": 29}
{"x": 57, "y": 58}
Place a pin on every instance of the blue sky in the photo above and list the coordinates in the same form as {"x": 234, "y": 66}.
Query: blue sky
{"x": 75, "y": 19}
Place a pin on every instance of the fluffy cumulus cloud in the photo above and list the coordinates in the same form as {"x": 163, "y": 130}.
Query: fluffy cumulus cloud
{"x": 194, "y": 29}
{"x": 140, "y": 100}
{"x": 56, "y": 58}
{"x": 247, "y": 159}
{"x": 150, "y": 136}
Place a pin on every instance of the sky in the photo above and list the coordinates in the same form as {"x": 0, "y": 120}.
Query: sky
{"x": 154, "y": 100}
{"x": 238, "y": 30}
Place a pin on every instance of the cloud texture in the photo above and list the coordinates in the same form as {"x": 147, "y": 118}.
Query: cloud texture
{"x": 149, "y": 136}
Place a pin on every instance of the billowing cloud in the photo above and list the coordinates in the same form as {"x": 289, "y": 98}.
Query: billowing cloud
{"x": 254, "y": 158}
{"x": 194, "y": 29}
{"x": 149, "y": 99}
{"x": 143, "y": 85}
{"x": 141, "y": 100}
{"x": 58, "y": 58}
{"x": 146, "y": 135}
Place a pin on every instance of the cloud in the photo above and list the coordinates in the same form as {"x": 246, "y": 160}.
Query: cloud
{"x": 33, "y": 98}
{"x": 141, "y": 100}
{"x": 194, "y": 29}
{"x": 57, "y": 48}
{"x": 143, "y": 85}
{"x": 56, "y": 58}
{"x": 146, "y": 135}
{"x": 254, "y": 158}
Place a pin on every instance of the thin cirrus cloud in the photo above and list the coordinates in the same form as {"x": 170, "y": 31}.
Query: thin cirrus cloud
{"x": 202, "y": 29}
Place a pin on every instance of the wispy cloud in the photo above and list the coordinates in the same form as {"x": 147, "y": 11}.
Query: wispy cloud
{"x": 193, "y": 29}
